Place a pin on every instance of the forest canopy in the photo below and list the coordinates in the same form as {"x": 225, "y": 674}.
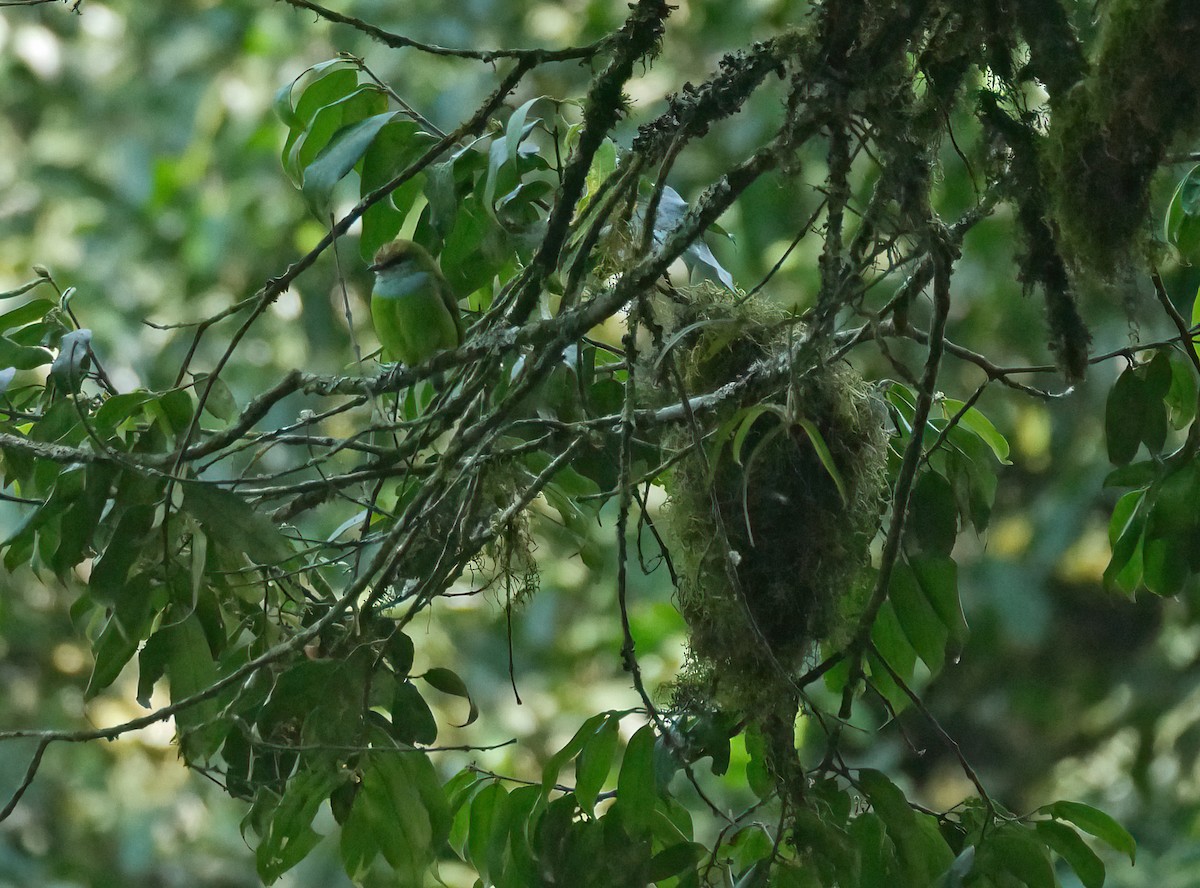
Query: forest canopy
{"x": 592, "y": 444}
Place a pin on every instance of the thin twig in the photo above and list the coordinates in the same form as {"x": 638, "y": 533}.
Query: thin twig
{"x": 943, "y": 257}
{"x": 399, "y": 41}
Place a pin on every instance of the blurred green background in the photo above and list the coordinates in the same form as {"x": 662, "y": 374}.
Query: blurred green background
{"x": 139, "y": 163}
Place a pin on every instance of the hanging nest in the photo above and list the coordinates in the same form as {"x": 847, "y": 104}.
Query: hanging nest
{"x": 770, "y": 529}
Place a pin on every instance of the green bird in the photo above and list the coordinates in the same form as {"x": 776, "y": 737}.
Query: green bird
{"x": 412, "y": 306}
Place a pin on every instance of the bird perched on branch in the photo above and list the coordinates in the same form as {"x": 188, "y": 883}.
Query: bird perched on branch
{"x": 412, "y": 306}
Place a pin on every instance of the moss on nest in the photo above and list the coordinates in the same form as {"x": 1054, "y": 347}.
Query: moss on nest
{"x": 796, "y": 546}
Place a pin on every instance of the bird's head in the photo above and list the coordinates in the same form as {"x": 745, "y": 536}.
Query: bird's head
{"x": 401, "y": 253}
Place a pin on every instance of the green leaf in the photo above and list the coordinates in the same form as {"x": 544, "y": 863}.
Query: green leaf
{"x": 748, "y": 417}
{"x": 1125, "y": 531}
{"x": 152, "y": 665}
{"x": 962, "y": 866}
{"x": 289, "y": 836}
{"x": 1165, "y": 568}
{"x": 27, "y": 313}
{"x": 889, "y": 639}
{"x": 1014, "y": 849}
{"x": 80, "y": 523}
{"x": 220, "y": 401}
{"x": 1138, "y": 474}
{"x": 933, "y": 514}
{"x": 604, "y": 164}
{"x": 441, "y": 193}
{"x": 822, "y": 450}
{"x": 1096, "y": 823}
{"x": 328, "y": 120}
{"x": 1136, "y": 411}
{"x": 758, "y": 775}
{"x": 399, "y": 650}
{"x": 394, "y": 147}
{"x": 1196, "y": 320}
{"x": 488, "y": 822}
{"x": 22, "y": 357}
{"x": 594, "y": 763}
{"x": 922, "y": 626}
{"x": 1181, "y": 396}
{"x": 20, "y": 291}
{"x": 231, "y": 522}
{"x": 412, "y": 720}
{"x": 876, "y": 858}
{"x": 673, "y": 860}
{"x": 114, "y": 648}
{"x": 191, "y": 670}
{"x": 636, "y": 793}
{"x": 448, "y": 682}
{"x": 399, "y": 813}
{"x": 923, "y": 852}
{"x": 338, "y": 158}
{"x": 515, "y": 131}
{"x": 520, "y": 868}
{"x": 1123, "y": 417}
{"x": 1065, "y": 842}
{"x": 1174, "y": 506}
{"x": 749, "y": 845}
{"x": 322, "y": 94}
{"x": 981, "y": 426}
{"x": 336, "y": 81}
{"x": 551, "y": 771}
{"x": 131, "y": 535}
{"x": 459, "y": 790}
{"x": 173, "y": 411}
{"x": 119, "y": 409}
{"x": 1181, "y": 227}
{"x": 938, "y": 580}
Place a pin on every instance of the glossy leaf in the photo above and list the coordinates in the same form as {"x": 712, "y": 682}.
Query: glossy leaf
{"x": 488, "y": 830}
{"x": 938, "y": 581}
{"x": 336, "y": 80}
{"x": 636, "y": 784}
{"x": 338, "y": 158}
{"x": 594, "y": 762}
{"x": 114, "y": 648}
{"x": 1181, "y": 227}
{"x": 289, "y": 836}
{"x": 230, "y": 521}
{"x": 674, "y": 860}
{"x": 1065, "y": 842}
{"x": 922, "y": 850}
{"x": 893, "y": 647}
{"x": 1015, "y": 849}
{"x": 1181, "y": 396}
{"x": 922, "y": 625}
{"x": 556, "y": 762}
{"x": 394, "y": 147}
{"x": 412, "y": 720}
{"x": 448, "y": 682}
{"x": 823, "y": 453}
{"x": 191, "y": 670}
{"x": 1125, "y": 531}
{"x": 980, "y": 425}
{"x": 1094, "y": 822}
{"x": 933, "y": 514}
{"x": 22, "y": 357}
